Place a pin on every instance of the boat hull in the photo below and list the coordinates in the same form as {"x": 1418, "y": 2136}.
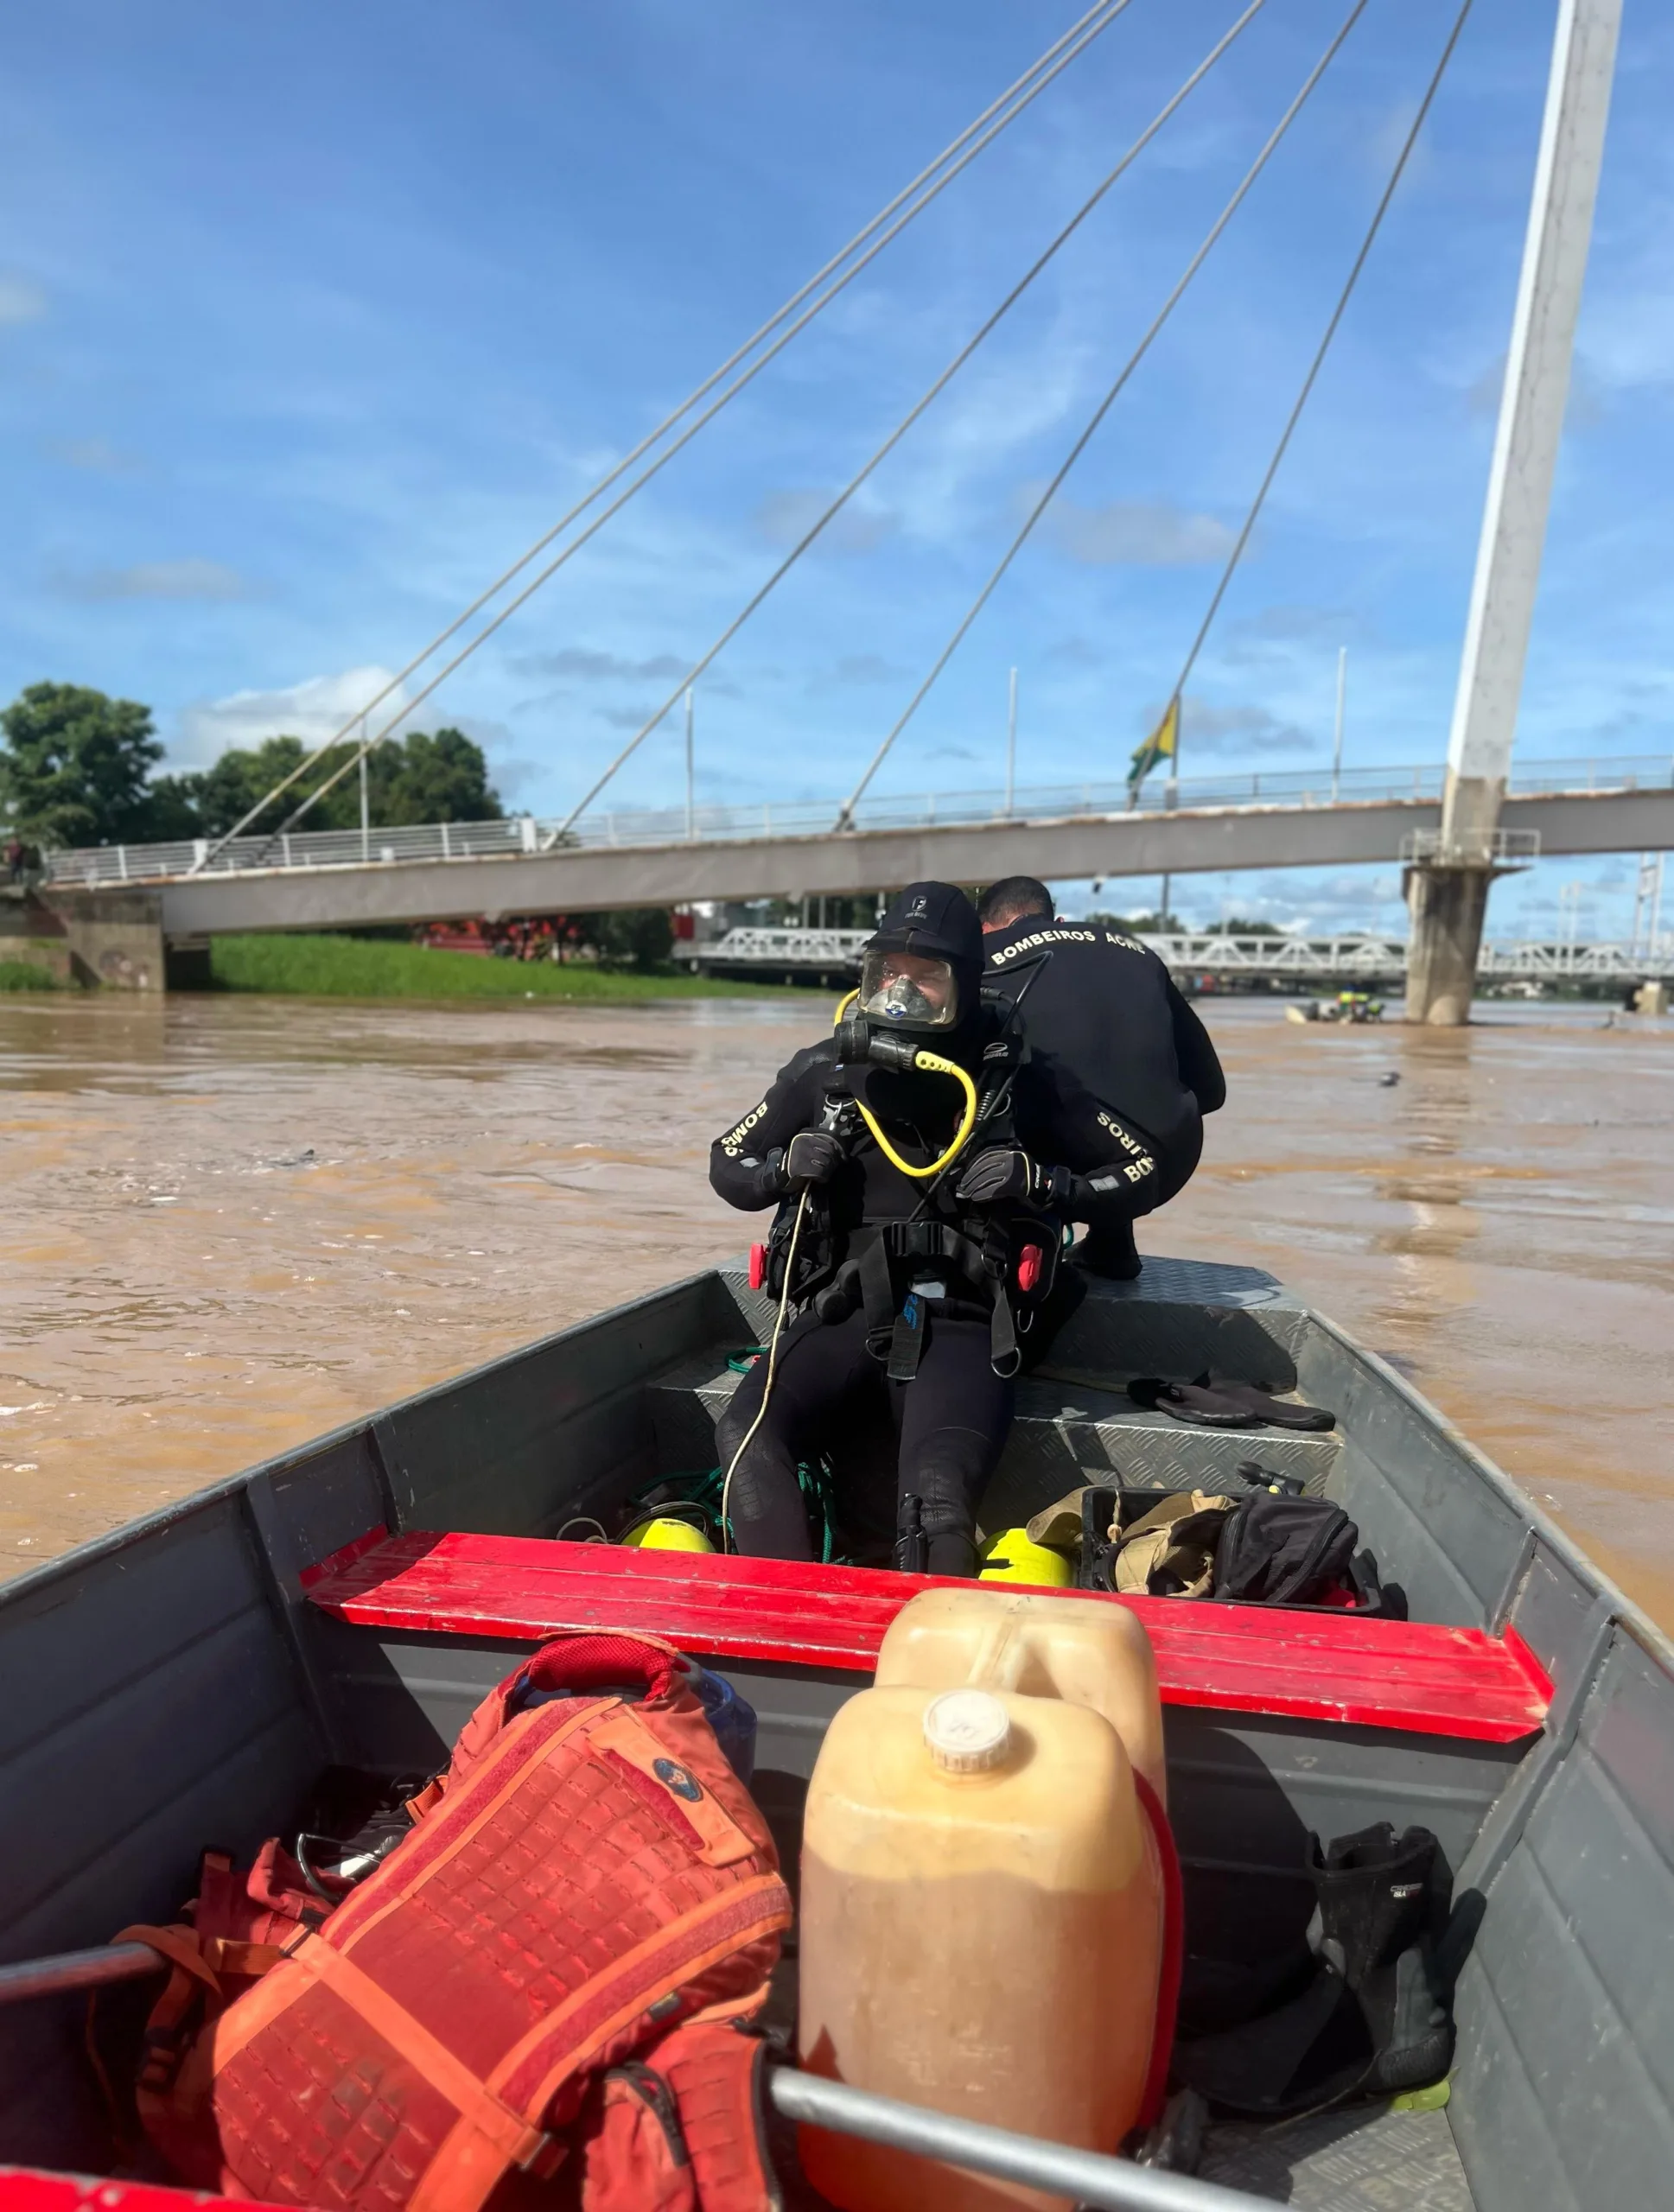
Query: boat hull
{"x": 176, "y": 1684}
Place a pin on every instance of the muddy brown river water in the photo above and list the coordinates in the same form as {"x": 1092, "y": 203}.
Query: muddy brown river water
{"x": 230, "y": 1223}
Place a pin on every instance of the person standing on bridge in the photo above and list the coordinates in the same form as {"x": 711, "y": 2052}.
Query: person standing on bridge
{"x": 1130, "y": 1069}
{"x": 913, "y": 1296}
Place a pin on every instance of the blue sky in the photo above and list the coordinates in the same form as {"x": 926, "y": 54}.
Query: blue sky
{"x": 311, "y": 319}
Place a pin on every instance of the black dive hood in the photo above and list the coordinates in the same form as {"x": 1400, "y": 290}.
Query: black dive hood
{"x": 932, "y": 924}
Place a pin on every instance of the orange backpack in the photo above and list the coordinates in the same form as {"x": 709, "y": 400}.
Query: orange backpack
{"x": 559, "y": 1965}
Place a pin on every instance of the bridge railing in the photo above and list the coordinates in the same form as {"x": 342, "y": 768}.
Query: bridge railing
{"x": 106, "y": 865}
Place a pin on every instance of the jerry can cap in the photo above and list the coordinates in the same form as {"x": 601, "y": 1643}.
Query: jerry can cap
{"x": 966, "y": 1731}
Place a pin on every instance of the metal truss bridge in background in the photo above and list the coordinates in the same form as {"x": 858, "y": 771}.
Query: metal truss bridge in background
{"x": 1355, "y": 959}
{"x": 1350, "y": 959}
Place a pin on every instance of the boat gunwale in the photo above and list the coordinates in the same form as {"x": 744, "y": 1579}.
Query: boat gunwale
{"x": 1656, "y": 1642}
{"x": 1624, "y": 1611}
{"x": 176, "y": 1511}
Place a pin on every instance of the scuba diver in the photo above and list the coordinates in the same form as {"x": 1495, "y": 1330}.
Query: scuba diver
{"x": 915, "y": 1283}
{"x": 1130, "y": 1067}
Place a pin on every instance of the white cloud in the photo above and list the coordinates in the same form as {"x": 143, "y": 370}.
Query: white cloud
{"x": 313, "y": 710}
{"x": 1583, "y": 409}
{"x": 587, "y": 665}
{"x": 1233, "y": 730}
{"x": 188, "y": 579}
{"x": 1303, "y": 900}
{"x": 785, "y": 517}
{"x": 22, "y": 299}
{"x": 1380, "y": 145}
{"x": 1627, "y": 330}
{"x": 95, "y": 454}
{"x": 864, "y": 668}
{"x": 1138, "y": 533}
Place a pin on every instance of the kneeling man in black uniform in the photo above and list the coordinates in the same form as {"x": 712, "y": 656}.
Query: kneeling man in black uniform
{"x": 1130, "y": 1066}
{"x": 919, "y": 1244}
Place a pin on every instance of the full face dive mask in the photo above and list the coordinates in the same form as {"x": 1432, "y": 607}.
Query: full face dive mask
{"x": 909, "y": 990}
{"x": 919, "y": 979}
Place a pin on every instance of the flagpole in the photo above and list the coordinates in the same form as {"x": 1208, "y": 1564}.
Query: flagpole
{"x": 1171, "y": 796}
{"x": 1170, "y": 799}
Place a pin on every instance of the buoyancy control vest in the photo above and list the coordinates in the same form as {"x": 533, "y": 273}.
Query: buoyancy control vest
{"x": 851, "y": 1252}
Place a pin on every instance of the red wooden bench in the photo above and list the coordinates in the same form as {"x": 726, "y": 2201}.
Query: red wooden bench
{"x": 1429, "y": 1680}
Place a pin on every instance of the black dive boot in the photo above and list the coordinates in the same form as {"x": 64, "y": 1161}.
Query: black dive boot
{"x": 1377, "y": 1918}
{"x": 1372, "y": 2019}
{"x": 912, "y": 1546}
{"x": 1108, "y": 1249}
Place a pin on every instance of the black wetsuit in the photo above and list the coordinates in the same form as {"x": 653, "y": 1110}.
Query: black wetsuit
{"x": 937, "y": 1437}
{"x": 1130, "y": 1067}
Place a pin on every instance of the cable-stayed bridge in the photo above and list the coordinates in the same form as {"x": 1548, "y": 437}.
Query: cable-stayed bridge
{"x": 346, "y": 878}
{"x": 1459, "y": 832}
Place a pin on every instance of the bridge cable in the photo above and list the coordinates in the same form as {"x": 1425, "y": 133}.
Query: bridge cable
{"x": 1114, "y": 8}
{"x": 845, "y": 816}
{"x": 1314, "y": 366}
{"x": 907, "y": 422}
{"x": 971, "y": 142}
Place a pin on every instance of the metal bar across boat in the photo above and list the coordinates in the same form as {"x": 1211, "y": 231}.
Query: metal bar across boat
{"x": 76, "y": 1970}
{"x": 1087, "y": 2176}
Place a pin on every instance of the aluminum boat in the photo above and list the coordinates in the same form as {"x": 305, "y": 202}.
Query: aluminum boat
{"x": 184, "y": 1680}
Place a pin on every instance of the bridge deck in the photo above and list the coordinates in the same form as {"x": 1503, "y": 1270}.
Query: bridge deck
{"x": 333, "y": 879}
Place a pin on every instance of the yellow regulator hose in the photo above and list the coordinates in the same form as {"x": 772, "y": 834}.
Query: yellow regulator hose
{"x": 932, "y": 1064}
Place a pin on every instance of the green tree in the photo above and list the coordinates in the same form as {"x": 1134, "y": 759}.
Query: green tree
{"x": 424, "y": 779}
{"x": 418, "y": 779}
{"x": 173, "y": 811}
{"x": 212, "y": 799}
{"x": 629, "y": 937}
{"x": 75, "y": 769}
{"x": 75, "y": 766}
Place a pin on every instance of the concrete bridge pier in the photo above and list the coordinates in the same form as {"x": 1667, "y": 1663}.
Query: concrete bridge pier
{"x": 1448, "y": 905}
{"x": 1447, "y": 900}
{"x": 1450, "y": 873}
{"x": 109, "y": 938}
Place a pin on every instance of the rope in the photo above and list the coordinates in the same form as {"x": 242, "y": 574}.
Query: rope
{"x": 1315, "y": 365}
{"x": 1006, "y": 108}
{"x": 845, "y": 816}
{"x": 773, "y": 1368}
{"x": 907, "y": 420}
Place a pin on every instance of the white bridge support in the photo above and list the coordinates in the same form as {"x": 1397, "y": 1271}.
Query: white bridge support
{"x": 1447, "y": 890}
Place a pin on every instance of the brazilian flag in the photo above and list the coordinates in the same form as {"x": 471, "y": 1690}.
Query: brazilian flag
{"x": 1162, "y": 744}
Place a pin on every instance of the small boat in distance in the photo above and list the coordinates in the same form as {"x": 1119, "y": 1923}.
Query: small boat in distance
{"x": 185, "y": 1679}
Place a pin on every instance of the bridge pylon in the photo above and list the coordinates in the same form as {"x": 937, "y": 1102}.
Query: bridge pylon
{"x": 1448, "y": 885}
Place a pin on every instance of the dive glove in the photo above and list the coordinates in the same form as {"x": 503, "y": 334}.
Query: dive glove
{"x": 1004, "y": 1172}
{"x": 814, "y": 1157}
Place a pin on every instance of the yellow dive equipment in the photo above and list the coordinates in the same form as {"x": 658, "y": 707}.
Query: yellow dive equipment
{"x": 932, "y": 1064}
{"x": 1010, "y": 1557}
{"x": 667, "y": 1534}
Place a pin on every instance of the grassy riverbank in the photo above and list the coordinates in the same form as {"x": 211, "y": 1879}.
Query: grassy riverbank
{"x": 361, "y": 967}
{"x": 24, "y": 975}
